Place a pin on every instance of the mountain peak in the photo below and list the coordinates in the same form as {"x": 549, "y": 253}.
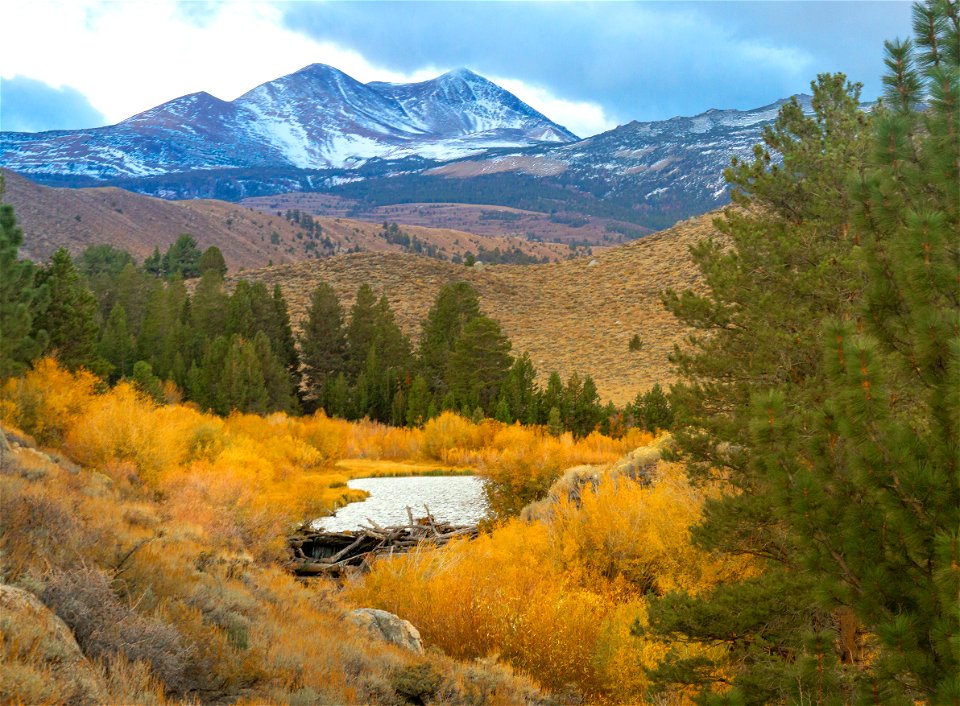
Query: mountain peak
{"x": 461, "y": 74}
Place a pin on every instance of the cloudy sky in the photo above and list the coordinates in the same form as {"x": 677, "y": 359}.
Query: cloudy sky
{"x": 589, "y": 66}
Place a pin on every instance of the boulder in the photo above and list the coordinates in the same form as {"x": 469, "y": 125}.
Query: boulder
{"x": 388, "y": 627}
{"x": 41, "y": 661}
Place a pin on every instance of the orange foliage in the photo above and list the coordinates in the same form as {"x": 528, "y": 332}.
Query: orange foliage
{"x": 557, "y": 598}
{"x": 47, "y": 401}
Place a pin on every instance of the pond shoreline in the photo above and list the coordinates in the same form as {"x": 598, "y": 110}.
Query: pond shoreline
{"x": 456, "y": 498}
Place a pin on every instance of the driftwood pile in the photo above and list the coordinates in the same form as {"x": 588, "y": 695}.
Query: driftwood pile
{"x": 320, "y": 553}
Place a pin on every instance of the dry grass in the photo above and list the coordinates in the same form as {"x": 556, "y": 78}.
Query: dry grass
{"x": 479, "y": 219}
{"x": 76, "y": 218}
{"x": 570, "y": 316}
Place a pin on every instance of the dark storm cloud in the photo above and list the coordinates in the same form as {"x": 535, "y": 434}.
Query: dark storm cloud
{"x": 639, "y": 61}
{"x": 28, "y": 105}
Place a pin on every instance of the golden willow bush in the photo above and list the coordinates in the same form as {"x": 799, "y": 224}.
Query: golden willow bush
{"x": 557, "y": 598}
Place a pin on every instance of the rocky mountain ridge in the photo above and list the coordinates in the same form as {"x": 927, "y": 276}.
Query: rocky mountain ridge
{"x": 315, "y": 118}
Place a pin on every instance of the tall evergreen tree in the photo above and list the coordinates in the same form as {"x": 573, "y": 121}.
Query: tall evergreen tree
{"x": 323, "y": 343}
{"x": 361, "y": 330}
{"x": 242, "y": 384}
{"x": 212, "y": 261}
{"x": 456, "y": 305}
{"x": 418, "y": 402}
{"x": 785, "y": 265}
{"x": 280, "y": 334}
{"x": 20, "y": 300}
{"x": 874, "y": 497}
{"x": 182, "y": 258}
{"x": 478, "y": 364}
{"x": 69, "y": 317}
{"x": 117, "y": 345}
{"x": 520, "y": 391}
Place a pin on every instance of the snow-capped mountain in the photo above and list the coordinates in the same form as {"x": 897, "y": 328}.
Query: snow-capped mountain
{"x": 674, "y": 164}
{"x": 315, "y": 118}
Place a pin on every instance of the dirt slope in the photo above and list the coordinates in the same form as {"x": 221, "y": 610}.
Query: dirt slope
{"x": 577, "y": 315}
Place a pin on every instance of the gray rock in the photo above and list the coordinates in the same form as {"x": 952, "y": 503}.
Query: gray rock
{"x": 388, "y": 627}
{"x": 47, "y": 664}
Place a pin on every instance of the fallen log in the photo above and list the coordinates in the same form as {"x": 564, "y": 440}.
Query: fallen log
{"x": 315, "y": 552}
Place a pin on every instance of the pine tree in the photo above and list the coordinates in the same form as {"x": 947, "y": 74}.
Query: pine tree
{"x": 554, "y": 421}
{"x": 584, "y": 404}
{"x": 20, "y": 299}
{"x": 281, "y": 336}
{"x": 479, "y": 363}
{"x": 242, "y": 385}
{"x": 456, "y": 305}
{"x": 182, "y": 258}
{"x": 117, "y": 345}
{"x": 212, "y": 261}
{"x": 361, "y": 329}
{"x": 553, "y": 398}
{"x": 208, "y": 311}
{"x": 69, "y": 317}
{"x": 651, "y": 409}
{"x": 279, "y": 386}
{"x": 323, "y": 343}
{"x": 785, "y": 265}
{"x": 520, "y": 391}
{"x": 418, "y": 402}
{"x": 875, "y": 497}
{"x": 146, "y": 382}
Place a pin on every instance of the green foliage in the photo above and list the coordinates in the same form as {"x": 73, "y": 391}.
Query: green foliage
{"x": 117, "y": 344}
{"x": 520, "y": 393}
{"x": 182, "y": 259}
{"x": 788, "y": 265}
{"x": 212, "y": 260}
{"x": 323, "y": 343}
{"x": 20, "y": 299}
{"x": 69, "y": 317}
{"x": 874, "y": 499}
{"x": 651, "y": 410}
{"x": 146, "y": 382}
{"x": 479, "y": 363}
{"x": 455, "y": 306}
{"x": 418, "y": 402}
{"x": 635, "y": 343}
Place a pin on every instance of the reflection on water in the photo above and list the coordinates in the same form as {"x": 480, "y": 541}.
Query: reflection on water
{"x": 455, "y": 499}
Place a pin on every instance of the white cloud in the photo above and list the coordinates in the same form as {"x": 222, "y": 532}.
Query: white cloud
{"x": 580, "y": 117}
{"x": 130, "y": 56}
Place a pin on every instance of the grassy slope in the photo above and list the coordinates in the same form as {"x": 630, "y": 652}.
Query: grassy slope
{"x": 75, "y": 218}
{"x": 570, "y": 316}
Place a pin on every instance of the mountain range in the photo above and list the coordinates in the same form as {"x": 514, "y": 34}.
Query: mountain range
{"x": 315, "y": 118}
{"x": 456, "y": 138}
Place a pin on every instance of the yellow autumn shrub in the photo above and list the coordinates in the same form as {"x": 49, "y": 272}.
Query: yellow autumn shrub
{"x": 47, "y": 400}
{"x": 557, "y": 598}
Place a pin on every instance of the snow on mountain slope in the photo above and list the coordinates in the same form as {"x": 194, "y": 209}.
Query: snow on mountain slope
{"x": 315, "y": 118}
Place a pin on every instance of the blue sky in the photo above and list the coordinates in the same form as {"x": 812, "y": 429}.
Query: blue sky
{"x": 589, "y": 66}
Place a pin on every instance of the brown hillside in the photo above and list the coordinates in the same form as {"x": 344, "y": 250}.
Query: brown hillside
{"x": 571, "y": 316}
{"x": 480, "y": 219}
{"x": 76, "y": 218}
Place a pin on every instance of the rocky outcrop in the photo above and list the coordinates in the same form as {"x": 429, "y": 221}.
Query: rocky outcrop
{"x": 388, "y": 627}
{"x": 40, "y": 661}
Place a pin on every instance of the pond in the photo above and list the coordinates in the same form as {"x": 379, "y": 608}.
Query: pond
{"x": 455, "y": 499}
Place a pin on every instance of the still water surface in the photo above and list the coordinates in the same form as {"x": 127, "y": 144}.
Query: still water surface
{"x": 456, "y": 499}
